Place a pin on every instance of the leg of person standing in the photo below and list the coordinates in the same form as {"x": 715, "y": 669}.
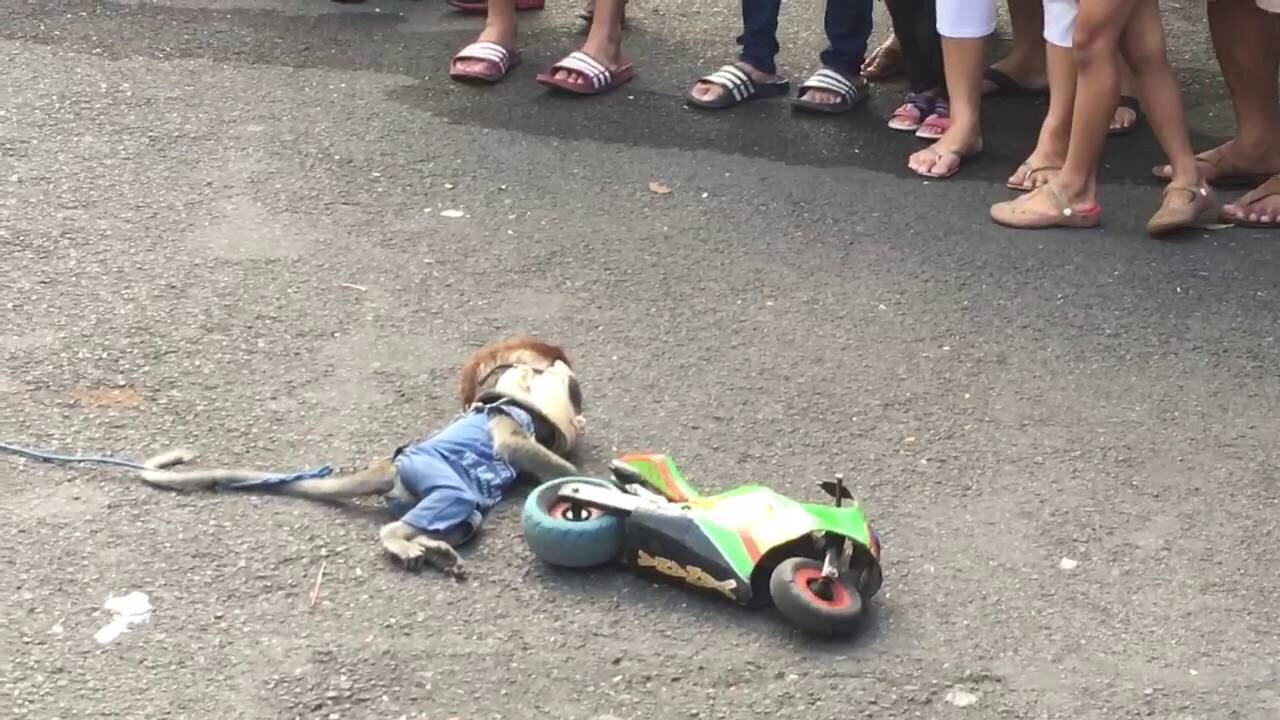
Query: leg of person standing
{"x": 1246, "y": 37}
{"x": 964, "y": 26}
{"x": 838, "y": 85}
{"x": 915, "y": 24}
{"x": 1070, "y": 199}
{"x": 754, "y": 75}
{"x": 1055, "y": 132}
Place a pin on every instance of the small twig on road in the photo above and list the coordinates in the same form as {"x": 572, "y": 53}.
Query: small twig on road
{"x": 315, "y": 591}
{"x": 353, "y": 286}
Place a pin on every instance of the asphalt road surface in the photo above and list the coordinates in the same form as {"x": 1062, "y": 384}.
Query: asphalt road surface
{"x": 222, "y": 227}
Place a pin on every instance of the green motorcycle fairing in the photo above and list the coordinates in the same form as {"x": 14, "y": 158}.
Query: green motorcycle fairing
{"x": 742, "y": 525}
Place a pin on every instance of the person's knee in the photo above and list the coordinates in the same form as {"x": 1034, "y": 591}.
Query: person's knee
{"x": 1092, "y": 44}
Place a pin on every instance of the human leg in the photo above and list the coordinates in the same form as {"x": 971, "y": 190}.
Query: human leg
{"x": 963, "y": 25}
{"x": 598, "y": 66}
{"x": 1022, "y": 71}
{"x": 1247, "y": 39}
{"x": 493, "y": 53}
{"x": 915, "y": 24}
{"x": 838, "y": 85}
{"x": 1070, "y": 198}
{"x": 755, "y": 73}
{"x": 1055, "y": 132}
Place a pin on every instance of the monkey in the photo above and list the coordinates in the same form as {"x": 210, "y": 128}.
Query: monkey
{"x": 440, "y": 488}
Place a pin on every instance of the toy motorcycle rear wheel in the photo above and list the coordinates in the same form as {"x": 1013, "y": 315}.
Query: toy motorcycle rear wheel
{"x": 799, "y": 593}
{"x": 570, "y": 534}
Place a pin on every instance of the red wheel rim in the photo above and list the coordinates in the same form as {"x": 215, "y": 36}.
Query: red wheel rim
{"x": 839, "y": 594}
{"x": 572, "y": 512}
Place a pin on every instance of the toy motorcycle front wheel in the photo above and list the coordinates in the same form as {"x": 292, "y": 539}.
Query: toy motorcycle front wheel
{"x": 570, "y": 534}
{"x": 798, "y": 592}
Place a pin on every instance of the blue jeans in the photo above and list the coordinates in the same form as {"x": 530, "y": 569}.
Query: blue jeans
{"x": 848, "y": 26}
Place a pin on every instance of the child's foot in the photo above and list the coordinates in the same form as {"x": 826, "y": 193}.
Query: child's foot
{"x": 912, "y": 112}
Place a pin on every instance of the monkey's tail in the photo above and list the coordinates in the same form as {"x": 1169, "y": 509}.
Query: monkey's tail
{"x": 152, "y": 470}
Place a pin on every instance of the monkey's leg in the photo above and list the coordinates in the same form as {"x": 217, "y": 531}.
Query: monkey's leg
{"x": 376, "y": 479}
{"x": 524, "y": 453}
{"x": 414, "y": 547}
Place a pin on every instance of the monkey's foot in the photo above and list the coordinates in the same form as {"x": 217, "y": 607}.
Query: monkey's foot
{"x": 442, "y": 556}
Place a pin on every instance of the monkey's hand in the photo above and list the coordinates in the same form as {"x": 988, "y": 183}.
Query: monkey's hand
{"x": 525, "y": 454}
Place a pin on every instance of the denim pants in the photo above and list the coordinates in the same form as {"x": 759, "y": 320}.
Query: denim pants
{"x": 848, "y": 26}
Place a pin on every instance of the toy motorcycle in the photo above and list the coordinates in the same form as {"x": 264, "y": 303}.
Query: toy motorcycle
{"x": 817, "y": 563}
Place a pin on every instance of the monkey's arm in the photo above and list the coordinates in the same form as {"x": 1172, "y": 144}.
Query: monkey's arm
{"x": 524, "y": 453}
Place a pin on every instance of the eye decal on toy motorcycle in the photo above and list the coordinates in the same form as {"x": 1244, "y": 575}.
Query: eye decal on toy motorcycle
{"x": 689, "y": 573}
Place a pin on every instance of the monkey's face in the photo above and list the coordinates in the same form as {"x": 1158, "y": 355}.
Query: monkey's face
{"x": 554, "y": 392}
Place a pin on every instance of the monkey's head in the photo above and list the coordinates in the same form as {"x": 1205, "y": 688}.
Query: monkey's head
{"x": 484, "y": 366}
{"x": 552, "y": 393}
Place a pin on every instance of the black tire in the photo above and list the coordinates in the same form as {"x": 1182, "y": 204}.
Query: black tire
{"x": 792, "y": 587}
{"x": 569, "y": 534}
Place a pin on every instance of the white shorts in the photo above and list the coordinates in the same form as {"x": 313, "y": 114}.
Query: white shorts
{"x": 1060, "y": 21}
{"x": 966, "y": 18}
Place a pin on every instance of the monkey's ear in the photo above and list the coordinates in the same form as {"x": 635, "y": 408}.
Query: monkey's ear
{"x": 580, "y": 423}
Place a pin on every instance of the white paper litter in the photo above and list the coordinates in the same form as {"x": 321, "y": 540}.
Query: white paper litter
{"x": 126, "y": 610}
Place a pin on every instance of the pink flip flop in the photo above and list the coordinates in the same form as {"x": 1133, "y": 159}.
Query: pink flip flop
{"x": 599, "y": 79}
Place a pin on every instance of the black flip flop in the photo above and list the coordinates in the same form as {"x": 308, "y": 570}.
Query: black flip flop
{"x": 851, "y": 93}
{"x": 1132, "y": 103}
{"x": 740, "y": 88}
{"x": 1006, "y": 86}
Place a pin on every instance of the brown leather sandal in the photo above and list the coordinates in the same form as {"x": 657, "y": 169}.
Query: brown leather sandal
{"x": 1171, "y": 219}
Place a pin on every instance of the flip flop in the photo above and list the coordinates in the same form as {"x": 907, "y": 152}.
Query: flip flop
{"x": 1013, "y": 213}
{"x": 486, "y": 51}
{"x": 740, "y": 88}
{"x": 911, "y": 114}
{"x": 960, "y": 158}
{"x": 1131, "y": 102}
{"x": 1270, "y": 188}
{"x": 938, "y": 121}
{"x": 1026, "y": 185}
{"x": 1006, "y": 86}
{"x": 599, "y": 79}
{"x": 851, "y": 94}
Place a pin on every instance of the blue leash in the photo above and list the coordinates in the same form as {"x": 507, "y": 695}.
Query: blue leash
{"x": 70, "y": 459}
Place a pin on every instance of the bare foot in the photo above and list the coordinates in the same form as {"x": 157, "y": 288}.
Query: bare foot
{"x": 943, "y": 158}
{"x": 885, "y": 61}
{"x": 1260, "y": 206}
{"x": 1232, "y": 161}
{"x": 1123, "y": 118}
